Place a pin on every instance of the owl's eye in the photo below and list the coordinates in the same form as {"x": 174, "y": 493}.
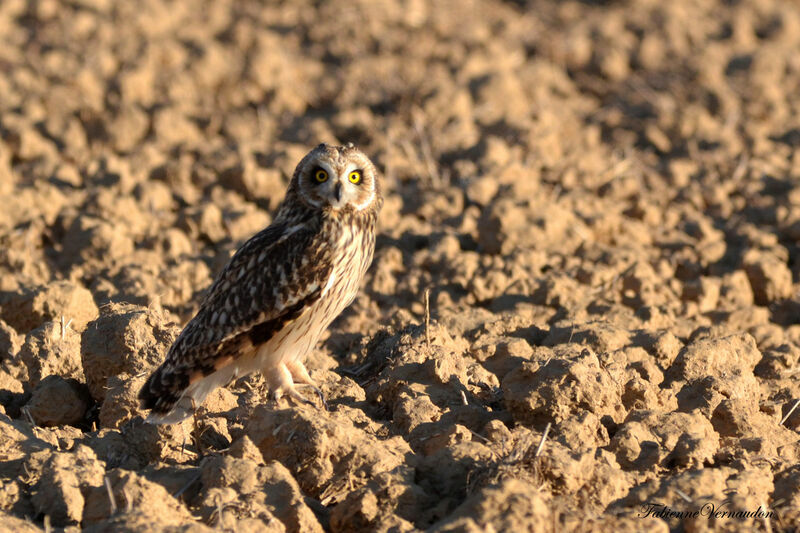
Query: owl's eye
{"x": 320, "y": 175}
{"x": 354, "y": 176}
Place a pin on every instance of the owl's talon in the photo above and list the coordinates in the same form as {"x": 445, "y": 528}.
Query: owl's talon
{"x": 321, "y": 397}
{"x": 302, "y": 379}
{"x": 299, "y": 397}
{"x": 317, "y": 392}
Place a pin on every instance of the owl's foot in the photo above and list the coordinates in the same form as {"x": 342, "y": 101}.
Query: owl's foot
{"x": 279, "y": 381}
{"x": 290, "y": 393}
{"x": 319, "y": 394}
{"x": 301, "y": 377}
{"x": 197, "y": 431}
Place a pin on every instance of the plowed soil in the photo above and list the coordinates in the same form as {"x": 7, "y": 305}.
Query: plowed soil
{"x": 584, "y": 309}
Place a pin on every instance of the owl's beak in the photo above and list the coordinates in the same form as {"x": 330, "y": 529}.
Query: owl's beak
{"x": 337, "y": 191}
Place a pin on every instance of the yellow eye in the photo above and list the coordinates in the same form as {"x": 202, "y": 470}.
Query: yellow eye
{"x": 321, "y": 176}
{"x": 354, "y": 176}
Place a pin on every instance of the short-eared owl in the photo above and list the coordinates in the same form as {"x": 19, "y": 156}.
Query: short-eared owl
{"x": 280, "y": 291}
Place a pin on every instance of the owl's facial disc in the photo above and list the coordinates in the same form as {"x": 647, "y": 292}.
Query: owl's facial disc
{"x": 342, "y": 186}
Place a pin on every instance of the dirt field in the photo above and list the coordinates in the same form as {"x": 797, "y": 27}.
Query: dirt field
{"x": 602, "y": 199}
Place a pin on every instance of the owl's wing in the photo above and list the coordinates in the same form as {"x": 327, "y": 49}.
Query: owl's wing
{"x": 268, "y": 283}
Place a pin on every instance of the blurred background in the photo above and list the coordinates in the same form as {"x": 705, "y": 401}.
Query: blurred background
{"x": 141, "y": 142}
{"x": 601, "y": 197}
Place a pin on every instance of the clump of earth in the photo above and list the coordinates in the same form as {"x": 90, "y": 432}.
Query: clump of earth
{"x": 584, "y": 299}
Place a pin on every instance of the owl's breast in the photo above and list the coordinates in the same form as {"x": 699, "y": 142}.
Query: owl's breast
{"x": 349, "y": 243}
{"x": 351, "y": 263}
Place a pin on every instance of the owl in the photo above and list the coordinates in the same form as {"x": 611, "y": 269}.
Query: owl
{"x": 279, "y": 291}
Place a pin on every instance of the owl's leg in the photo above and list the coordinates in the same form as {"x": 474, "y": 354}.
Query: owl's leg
{"x": 300, "y": 375}
{"x": 196, "y": 433}
{"x": 279, "y": 381}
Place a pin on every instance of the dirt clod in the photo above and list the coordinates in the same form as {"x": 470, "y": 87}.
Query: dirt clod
{"x": 67, "y": 479}
{"x": 125, "y": 338}
{"x": 29, "y": 308}
{"x": 46, "y": 352}
{"x": 322, "y": 452}
{"x": 585, "y": 293}
{"x": 131, "y": 492}
{"x": 57, "y": 401}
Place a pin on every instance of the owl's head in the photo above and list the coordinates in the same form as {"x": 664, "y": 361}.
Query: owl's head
{"x": 337, "y": 177}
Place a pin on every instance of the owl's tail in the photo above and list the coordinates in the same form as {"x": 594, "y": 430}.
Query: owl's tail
{"x": 164, "y": 393}
{"x": 172, "y": 397}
